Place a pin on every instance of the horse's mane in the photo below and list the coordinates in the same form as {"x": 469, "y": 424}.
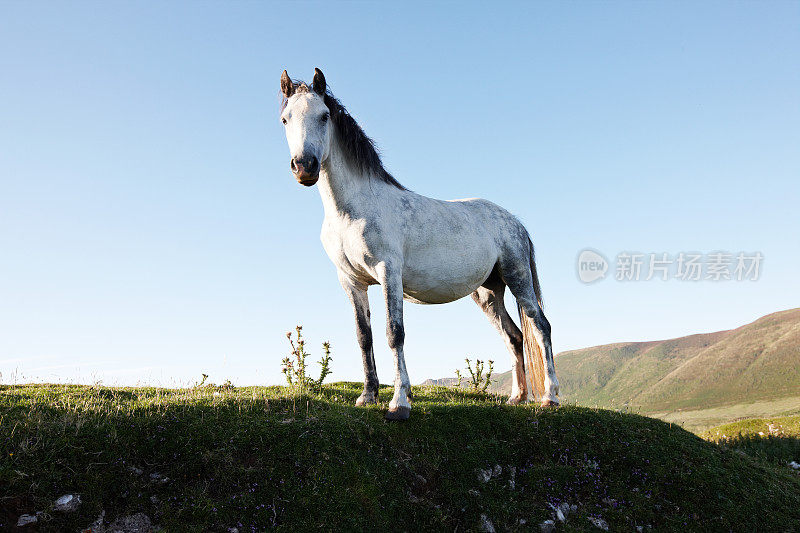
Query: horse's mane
{"x": 358, "y": 148}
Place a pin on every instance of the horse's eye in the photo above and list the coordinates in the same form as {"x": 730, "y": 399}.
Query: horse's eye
{"x": 325, "y": 117}
{"x": 284, "y": 121}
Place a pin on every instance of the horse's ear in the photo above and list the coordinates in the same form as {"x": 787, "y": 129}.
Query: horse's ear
{"x": 319, "y": 82}
{"x": 287, "y": 87}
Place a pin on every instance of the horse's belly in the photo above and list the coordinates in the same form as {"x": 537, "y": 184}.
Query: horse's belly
{"x": 445, "y": 281}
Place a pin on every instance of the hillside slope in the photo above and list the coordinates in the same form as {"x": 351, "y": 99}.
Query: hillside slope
{"x": 208, "y": 459}
{"x": 772, "y": 440}
{"x": 758, "y": 361}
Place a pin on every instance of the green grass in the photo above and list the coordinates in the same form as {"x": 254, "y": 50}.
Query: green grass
{"x": 697, "y": 420}
{"x": 264, "y": 459}
{"x": 774, "y": 440}
{"x": 784, "y": 425}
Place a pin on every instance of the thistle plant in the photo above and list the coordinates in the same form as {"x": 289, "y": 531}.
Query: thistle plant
{"x": 478, "y": 381}
{"x": 294, "y": 367}
{"x": 324, "y": 363}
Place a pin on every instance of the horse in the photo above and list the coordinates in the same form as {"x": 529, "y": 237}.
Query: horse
{"x": 419, "y": 249}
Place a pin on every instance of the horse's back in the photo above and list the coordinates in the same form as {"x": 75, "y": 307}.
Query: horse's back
{"x": 505, "y": 228}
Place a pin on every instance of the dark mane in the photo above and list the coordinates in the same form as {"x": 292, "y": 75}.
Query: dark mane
{"x": 358, "y": 148}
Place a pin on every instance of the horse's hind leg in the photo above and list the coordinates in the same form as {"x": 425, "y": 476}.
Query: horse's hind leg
{"x": 490, "y": 298}
{"x": 517, "y": 273}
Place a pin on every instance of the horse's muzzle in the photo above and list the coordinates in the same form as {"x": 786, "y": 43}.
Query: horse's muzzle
{"x": 305, "y": 170}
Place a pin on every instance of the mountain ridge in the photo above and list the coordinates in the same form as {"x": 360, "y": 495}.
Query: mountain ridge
{"x": 754, "y": 362}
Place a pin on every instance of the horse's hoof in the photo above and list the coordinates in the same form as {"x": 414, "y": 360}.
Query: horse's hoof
{"x": 550, "y": 403}
{"x": 366, "y": 400}
{"x": 516, "y": 400}
{"x": 398, "y": 413}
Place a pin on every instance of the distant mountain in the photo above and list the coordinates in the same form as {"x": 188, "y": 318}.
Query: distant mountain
{"x": 442, "y": 382}
{"x": 759, "y": 361}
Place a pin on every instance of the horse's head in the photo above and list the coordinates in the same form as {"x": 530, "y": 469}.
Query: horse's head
{"x": 308, "y": 127}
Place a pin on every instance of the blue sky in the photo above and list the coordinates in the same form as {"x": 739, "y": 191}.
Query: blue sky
{"x": 150, "y": 230}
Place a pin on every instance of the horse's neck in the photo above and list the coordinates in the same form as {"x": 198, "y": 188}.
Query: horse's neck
{"x": 345, "y": 191}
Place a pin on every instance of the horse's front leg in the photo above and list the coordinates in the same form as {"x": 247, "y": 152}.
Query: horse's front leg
{"x": 392, "y": 282}
{"x": 358, "y": 297}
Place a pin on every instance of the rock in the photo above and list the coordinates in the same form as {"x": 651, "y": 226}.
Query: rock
{"x": 486, "y": 525}
{"x": 155, "y": 477}
{"x": 135, "y": 471}
{"x": 795, "y": 465}
{"x": 573, "y": 508}
{"x": 561, "y": 511}
{"x": 233, "y": 530}
{"x": 599, "y": 523}
{"x": 137, "y": 523}
{"x": 26, "y": 519}
{"x": 548, "y": 526}
{"x": 484, "y": 475}
{"x": 67, "y": 503}
{"x": 639, "y": 529}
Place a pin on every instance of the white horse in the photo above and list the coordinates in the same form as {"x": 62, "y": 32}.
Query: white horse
{"x": 417, "y": 248}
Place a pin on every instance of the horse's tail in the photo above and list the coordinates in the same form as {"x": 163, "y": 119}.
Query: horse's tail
{"x": 533, "y": 353}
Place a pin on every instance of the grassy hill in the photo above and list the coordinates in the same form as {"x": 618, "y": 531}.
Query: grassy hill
{"x": 754, "y": 363}
{"x": 701, "y": 419}
{"x": 774, "y": 440}
{"x": 212, "y": 458}
{"x": 782, "y": 426}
